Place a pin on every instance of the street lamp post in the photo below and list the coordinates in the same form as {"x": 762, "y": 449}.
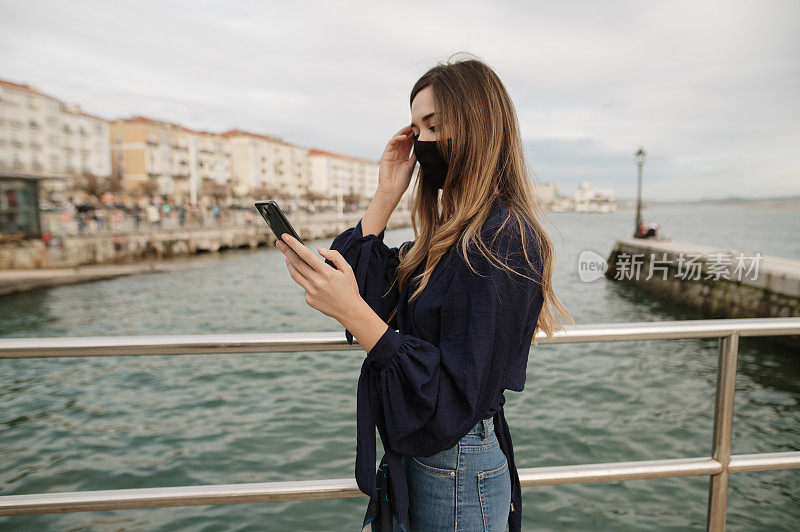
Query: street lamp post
{"x": 640, "y": 157}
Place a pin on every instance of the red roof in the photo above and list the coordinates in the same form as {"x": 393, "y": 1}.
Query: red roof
{"x": 242, "y": 133}
{"x": 153, "y": 121}
{"x": 66, "y": 108}
{"x": 338, "y": 155}
{"x": 81, "y": 112}
{"x": 25, "y": 88}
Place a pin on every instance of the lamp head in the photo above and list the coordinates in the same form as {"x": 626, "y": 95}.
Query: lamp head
{"x": 640, "y": 156}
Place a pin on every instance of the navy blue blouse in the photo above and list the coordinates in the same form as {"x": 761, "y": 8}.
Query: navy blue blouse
{"x": 460, "y": 344}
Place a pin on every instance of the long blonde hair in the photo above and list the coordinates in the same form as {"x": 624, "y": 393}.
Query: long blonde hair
{"x": 485, "y": 158}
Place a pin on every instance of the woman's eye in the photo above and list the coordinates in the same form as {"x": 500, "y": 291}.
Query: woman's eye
{"x": 433, "y": 128}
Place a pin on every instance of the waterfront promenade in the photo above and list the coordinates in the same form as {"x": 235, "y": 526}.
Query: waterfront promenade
{"x": 80, "y": 258}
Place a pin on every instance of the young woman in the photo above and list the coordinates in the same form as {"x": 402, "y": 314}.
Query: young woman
{"x": 467, "y": 296}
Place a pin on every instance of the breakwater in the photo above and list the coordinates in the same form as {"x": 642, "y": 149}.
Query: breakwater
{"x": 722, "y": 283}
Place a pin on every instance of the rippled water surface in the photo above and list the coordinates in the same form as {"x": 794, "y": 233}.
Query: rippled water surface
{"x": 129, "y": 422}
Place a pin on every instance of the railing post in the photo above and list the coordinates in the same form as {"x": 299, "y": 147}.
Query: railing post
{"x": 723, "y": 431}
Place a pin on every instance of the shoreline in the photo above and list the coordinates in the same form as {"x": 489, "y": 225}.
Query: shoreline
{"x": 176, "y": 254}
{"x": 16, "y": 281}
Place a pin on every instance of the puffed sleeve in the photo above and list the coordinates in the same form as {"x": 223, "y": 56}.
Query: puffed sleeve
{"x": 427, "y": 396}
{"x": 374, "y": 265}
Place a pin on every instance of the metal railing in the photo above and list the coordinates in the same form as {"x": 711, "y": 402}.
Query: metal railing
{"x": 718, "y": 466}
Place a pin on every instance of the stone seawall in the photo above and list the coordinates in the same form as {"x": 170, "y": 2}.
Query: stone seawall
{"x": 32, "y": 264}
{"x": 723, "y": 283}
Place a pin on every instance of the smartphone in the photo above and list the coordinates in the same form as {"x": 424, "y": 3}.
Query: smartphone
{"x": 275, "y": 218}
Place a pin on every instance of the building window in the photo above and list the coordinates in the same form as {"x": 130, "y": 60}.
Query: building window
{"x": 19, "y": 206}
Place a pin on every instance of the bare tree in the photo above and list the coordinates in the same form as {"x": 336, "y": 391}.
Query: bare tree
{"x": 88, "y": 183}
{"x": 149, "y": 187}
{"x": 351, "y": 197}
{"x": 96, "y": 186}
{"x": 218, "y": 191}
{"x": 311, "y": 195}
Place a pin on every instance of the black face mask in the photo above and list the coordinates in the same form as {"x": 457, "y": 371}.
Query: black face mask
{"x": 433, "y": 165}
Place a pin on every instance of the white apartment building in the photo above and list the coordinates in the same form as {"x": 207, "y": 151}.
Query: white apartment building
{"x": 546, "y": 193}
{"x": 86, "y": 146}
{"x": 264, "y": 161}
{"x": 42, "y": 137}
{"x": 333, "y": 174}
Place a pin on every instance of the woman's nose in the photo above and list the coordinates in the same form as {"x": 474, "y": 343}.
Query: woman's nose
{"x": 427, "y": 136}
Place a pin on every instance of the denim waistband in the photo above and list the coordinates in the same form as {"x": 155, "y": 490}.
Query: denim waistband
{"x": 488, "y": 423}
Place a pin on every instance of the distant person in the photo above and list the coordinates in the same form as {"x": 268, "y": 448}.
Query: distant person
{"x": 646, "y": 230}
{"x": 641, "y": 230}
{"x": 154, "y": 215}
{"x": 136, "y": 215}
{"x": 436, "y": 386}
{"x": 216, "y": 214}
{"x": 81, "y": 219}
{"x": 100, "y": 218}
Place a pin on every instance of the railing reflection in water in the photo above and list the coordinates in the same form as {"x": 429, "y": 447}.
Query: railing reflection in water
{"x": 718, "y": 466}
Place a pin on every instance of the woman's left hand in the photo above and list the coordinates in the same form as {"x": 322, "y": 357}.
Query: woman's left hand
{"x": 332, "y": 291}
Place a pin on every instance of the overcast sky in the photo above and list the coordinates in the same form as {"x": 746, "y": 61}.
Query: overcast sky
{"x": 710, "y": 89}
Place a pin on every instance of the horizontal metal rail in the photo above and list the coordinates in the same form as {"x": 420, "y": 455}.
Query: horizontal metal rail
{"x": 84, "y": 501}
{"x": 194, "y": 344}
{"x": 718, "y": 466}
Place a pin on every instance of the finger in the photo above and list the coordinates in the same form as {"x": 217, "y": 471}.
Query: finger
{"x": 403, "y": 134}
{"x": 405, "y": 130}
{"x": 337, "y": 259}
{"x": 298, "y": 277}
{"x": 302, "y": 251}
{"x": 295, "y": 260}
{"x": 401, "y": 145}
{"x": 300, "y": 265}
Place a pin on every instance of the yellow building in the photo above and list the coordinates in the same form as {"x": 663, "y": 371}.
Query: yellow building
{"x": 159, "y": 157}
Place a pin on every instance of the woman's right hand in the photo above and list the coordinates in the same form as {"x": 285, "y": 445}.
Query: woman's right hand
{"x": 397, "y": 163}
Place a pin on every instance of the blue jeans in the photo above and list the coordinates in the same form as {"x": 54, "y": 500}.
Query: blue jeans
{"x": 464, "y": 488}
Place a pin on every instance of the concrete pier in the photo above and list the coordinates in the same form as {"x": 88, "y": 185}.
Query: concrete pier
{"x": 721, "y": 282}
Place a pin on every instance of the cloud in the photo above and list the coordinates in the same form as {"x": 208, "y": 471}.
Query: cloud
{"x": 708, "y": 88}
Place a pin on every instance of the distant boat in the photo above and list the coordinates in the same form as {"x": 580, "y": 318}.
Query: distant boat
{"x": 588, "y": 199}
{"x": 596, "y": 207}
